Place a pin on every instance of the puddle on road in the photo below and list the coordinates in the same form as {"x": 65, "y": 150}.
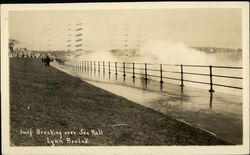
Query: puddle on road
{"x": 218, "y": 113}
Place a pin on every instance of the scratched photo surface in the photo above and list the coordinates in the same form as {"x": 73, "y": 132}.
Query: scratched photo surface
{"x": 126, "y": 77}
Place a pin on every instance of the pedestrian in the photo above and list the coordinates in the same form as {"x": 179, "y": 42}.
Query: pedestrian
{"x": 47, "y": 61}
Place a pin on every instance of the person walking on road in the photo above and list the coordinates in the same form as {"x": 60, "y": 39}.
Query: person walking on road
{"x": 47, "y": 61}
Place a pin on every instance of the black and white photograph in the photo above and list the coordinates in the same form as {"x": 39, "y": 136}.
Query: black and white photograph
{"x": 152, "y": 77}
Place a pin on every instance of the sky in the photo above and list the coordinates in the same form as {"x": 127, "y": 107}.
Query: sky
{"x": 106, "y": 29}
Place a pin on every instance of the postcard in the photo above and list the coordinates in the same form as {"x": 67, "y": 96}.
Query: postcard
{"x": 125, "y": 78}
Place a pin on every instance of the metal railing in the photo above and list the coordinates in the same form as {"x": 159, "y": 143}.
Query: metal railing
{"x": 143, "y": 69}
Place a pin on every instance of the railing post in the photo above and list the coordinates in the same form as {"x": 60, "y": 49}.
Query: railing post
{"x": 99, "y": 66}
{"x": 133, "y": 70}
{"x": 124, "y": 72}
{"x": 85, "y": 65}
{"x": 88, "y": 65}
{"x": 94, "y": 66}
{"x": 109, "y": 67}
{"x": 211, "y": 90}
{"x": 91, "y": 66}
{"x": 115, "y": 68}
{"x": 103, "y": 67}
{"x": 161, "y": 81}
{"x": 146, "y": 74}
{"x": 182, "y": 85}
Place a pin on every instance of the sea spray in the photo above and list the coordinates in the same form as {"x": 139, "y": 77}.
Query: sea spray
{"x": 170, "y": 52}
{"x": 99, "y": 55}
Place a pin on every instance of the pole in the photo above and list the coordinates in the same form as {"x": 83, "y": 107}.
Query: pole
{"x": 109, "y": 67}
{"x": 182, "y": 85}
{"x": 88, "y": 65}
{"x": 85, "y": 65}
{"x": 91, "y": 66}
{"x": 124, "y": 72}
{"x": 146, "y": 74}
{"x": 161, "y": 81}
{"x": 115, "y": 68}
{"x": 99, "y": 66}
{"x": 133, "y": 70}
{"x": 211, "y": 90}
{"x": 103, "y": 67}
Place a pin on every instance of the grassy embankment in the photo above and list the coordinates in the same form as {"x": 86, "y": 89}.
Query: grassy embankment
{"x": 47, "y": 99}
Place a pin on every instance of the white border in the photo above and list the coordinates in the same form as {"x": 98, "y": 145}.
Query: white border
{"x": 239, "y": 149}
